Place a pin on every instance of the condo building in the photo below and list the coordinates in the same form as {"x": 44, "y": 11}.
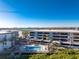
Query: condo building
{"x": 7, "y": 39}
{"x": 67, "y": 37}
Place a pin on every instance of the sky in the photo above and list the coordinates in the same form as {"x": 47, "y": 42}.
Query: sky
{"x": 39, "y": 13}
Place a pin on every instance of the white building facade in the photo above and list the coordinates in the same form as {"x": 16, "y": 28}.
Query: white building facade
{"x": 7, "y": 39}
{"x": 66, "y": 37}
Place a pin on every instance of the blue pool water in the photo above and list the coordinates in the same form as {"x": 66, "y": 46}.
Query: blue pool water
{"x": 30, "y": 48}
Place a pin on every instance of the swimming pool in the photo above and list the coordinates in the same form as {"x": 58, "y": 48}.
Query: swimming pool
{"x": 31, "y": 48}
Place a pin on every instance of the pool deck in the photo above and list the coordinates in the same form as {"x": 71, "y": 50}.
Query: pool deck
{"x": 30, "y": 51}
{"x": 32, "y": 42}
{"x": 19, "y": 52}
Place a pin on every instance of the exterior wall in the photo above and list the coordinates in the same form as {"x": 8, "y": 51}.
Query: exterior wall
{"x": 1, "y": 47}
{"x": 7, "y": 44}
{"x": 20, "y": 34}
{"x": 48, "y": 35}
{"x": 8, "y": 36}
{"x": 2, "y": 36}
{"x": 65, "y": 38}
{"x": 15, "y": 33}
{"x": 40, "y": 35}
{"x": 6, "y": 40}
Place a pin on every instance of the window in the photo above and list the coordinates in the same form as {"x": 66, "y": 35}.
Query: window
{"x": 57, "y": 33}
{"x": 31, "y": 37}
{"x": 32, "y": 33}
{"x": 65, "y": 44}
{"x": 76, "y": 40}
{"x": 60, "y": 36}
{"x": 46, "y": 32}
{"x": 39, "y": 32}
{"x": 63, "y": 39}
{"x": 75, "y": 33}
{"x": 76, "y": 37}
{"x": 39, "y": 37}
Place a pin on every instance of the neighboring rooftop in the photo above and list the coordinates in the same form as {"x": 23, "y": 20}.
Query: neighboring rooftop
{"x": 56, "y": 30}
{"x": 5, "y": 31}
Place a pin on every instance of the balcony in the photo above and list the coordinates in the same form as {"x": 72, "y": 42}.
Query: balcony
{"x": 76, "y": 43}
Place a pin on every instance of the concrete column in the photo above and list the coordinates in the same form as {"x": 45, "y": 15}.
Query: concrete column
{"x": 35, "y": 36}
{"x": 71, "y": 38}
{"x": 50, "y": 36}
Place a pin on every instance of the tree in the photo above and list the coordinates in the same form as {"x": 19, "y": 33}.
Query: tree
{"x": 25, "y": 33}
{"x": 53, "y": 47}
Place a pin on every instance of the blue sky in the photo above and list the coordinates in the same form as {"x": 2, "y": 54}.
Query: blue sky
{"x": 39, "y": 13}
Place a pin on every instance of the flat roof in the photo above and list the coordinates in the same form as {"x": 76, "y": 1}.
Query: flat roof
{"x": 4, "y": 31}
{"x": 73, "y": 31}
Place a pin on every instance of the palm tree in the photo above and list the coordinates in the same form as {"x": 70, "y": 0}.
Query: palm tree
{"x": 53, "y": 46}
